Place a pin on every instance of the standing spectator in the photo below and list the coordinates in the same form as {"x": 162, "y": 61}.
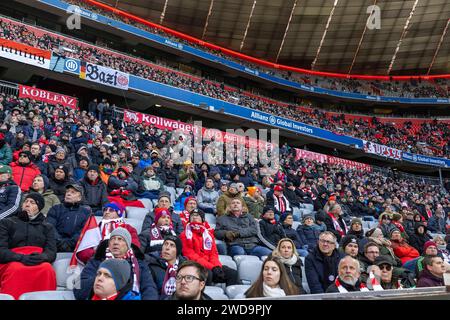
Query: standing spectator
{"x": 69, "y": 218}
{"x": 24, "y": 171}
{"x": 238, "y": 229}
{"x": 321, "y": 264}
{"x": 10, "y": 193}
{"x": 27, "y": 247}
{"x": 100, "y": 108}
{"x": 92, "y": 107}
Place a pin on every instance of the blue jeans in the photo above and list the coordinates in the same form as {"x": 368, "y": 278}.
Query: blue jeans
{"x": 255, "y": 251}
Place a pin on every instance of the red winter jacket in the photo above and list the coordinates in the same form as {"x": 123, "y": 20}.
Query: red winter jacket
{"x": 193, "y": 250}
{"x": 24, "y": 176}
{"x": 404, "y": 251}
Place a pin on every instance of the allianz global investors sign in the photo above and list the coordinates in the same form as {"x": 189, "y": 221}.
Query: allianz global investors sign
{"x": 25, "y": 54}
{"x": 47, "y": 96}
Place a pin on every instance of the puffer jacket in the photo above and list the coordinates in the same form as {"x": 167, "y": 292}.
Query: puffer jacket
{"x": 193, "y": 249}
{"x": 95, "y": 194}
{"x": 207, "y": 199}
{"x": 68, "y": 220}
{"x": 404, "y": 251}
{"x": 18, "y": 232}
{"x": 255, "y": 207}
{"x": 147, "y": 286}
{"x": 224, "y": 201}
{"x": 24, "y": 175}
{"x": 244, "y": 224}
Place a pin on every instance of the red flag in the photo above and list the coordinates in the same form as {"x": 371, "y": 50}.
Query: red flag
{"x": 90, "y": 237}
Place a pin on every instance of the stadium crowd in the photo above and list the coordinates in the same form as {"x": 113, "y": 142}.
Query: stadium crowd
{"x": 403, "y": 89}
{"x": 429, "y": 139}
{"x": 60, "y": 166}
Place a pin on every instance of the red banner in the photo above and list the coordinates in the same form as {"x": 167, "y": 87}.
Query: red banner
{"x": 47, "y": 96}
{"x": 322, "y": 158}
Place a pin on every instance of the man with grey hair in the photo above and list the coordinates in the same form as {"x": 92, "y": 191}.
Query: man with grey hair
{"x": 348, "y": 278}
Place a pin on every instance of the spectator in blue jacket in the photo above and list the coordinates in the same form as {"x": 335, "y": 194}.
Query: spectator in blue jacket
{"x": 321, "y": 264}
{"x": 436, "y": 223}
{"x": 69, "y": 218}
{"x": 119, "y": 246}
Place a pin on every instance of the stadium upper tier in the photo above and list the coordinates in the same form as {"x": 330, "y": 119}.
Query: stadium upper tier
{"x": 365, "y": 86}
{"x": 422, "y": 137}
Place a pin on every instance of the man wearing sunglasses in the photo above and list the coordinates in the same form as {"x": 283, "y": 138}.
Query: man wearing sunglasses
{"x": 388, "y": 280}
{"x": 190, "y": 282}
{"x": 24, "y": 171}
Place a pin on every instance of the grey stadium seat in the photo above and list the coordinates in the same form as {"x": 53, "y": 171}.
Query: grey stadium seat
{"x": 233, "y": 291}
{"x": 304, "y": 280}
{"x": 239, "y": 258}
{"x": 216, "y": 293}
{"x": 249, "y": 270}
{"x": 48, "y": 295}
{"x": 137, "y": 213}
{"x": 147, "y": 203}
{"x": 210, "y": 218}
{"x": 4, "y": 296}
{"x": 63, "y": 273}
{"x": 64, "y": 255}
{"x": 135, "y": 223}
{"x": 227, "y": 261}
{"x": 295, "y": 225}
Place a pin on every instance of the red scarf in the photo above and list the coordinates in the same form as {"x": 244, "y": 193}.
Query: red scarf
{"x": 169, "y": 283}
{"x": 200, "y": 228}
{"x": 362, "y": 286}
{"x": 107, "y": 226}
{"x": 113, "y": 297}
{"x": 337, "y": 226}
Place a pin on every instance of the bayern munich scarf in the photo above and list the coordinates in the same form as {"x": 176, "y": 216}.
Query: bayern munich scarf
{"x": 337, "y": 226}
{"x": 107, "y": 226}
{"x": 362, "y": 286}
{"x": 130, "y": 257}
{"x": 169, "y": 283}
{"x": 157, "y": 234}
{"x": 374, "y": 283}
{"x": 199, "y": 228}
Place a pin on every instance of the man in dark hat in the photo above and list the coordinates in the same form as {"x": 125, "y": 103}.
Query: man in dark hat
{"x": 123, "y": 181}
{"x": 95, "y": 193}
{"x": 24, "y": 171}
{"x": 349, "y": 246}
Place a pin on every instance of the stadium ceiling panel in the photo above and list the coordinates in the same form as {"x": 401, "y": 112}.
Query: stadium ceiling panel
{"x": 326, "y": 35}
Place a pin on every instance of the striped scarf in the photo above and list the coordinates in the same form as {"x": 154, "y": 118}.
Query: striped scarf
{"x": 199, "y": 227}
{"x": 130, "y": 257}
{"x": 362, "y": 286}
{"x": 157, "y": 234}
{"x": 169, "y": 284}
{"x": 337, "y": 226}
{"x": 107, "y": 226}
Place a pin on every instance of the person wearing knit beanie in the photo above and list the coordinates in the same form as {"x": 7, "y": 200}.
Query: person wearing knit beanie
{"x": 356, "y": 220}
{"x": 117, "y": 270}
{"x": 307, "y": 216}
{"x": 430, "y": 244}
{"x": 199, "y": 212}
{"x": 122, "y": 233}
{"x": 190, "y": 206}
{"x": 376, "y": 233}
{"x": 114, "y": 206}
{"x": 94, "y": 167}
{"x": 161, "y": 212}
{"x": 284, "y": 216}
{"x": 350, "y": 245}
{"x": 251, "y": 191}
{"x": 176, "y": 241}
{"x": 37, "y": 198}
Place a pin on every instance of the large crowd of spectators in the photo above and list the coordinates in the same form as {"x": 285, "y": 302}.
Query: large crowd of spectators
{"x": 58, "y": 166}
{"x": 429, "y": 138}
{"x": 402, "y": 89}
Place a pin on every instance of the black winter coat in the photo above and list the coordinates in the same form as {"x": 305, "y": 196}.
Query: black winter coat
{"x": 68, "y": 220}
{"x": 308, "y": 235}
{"x": 295, "y": 274}
{"x": 292, "y": 234}
{"x": 158, "y": 269}
{"x": 315, "y": 266}
{"x": 417, "y": 240}
{"x": 18, "y": 232}
{"x": 271, "y": 233}
{"x": 95, "y": 195}
{"x": 147, "y": 286}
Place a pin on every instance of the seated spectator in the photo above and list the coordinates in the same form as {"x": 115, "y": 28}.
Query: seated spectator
{"x": 321, "y": 264}
{"x": 199, "y": 245}
{"x": 164, "y": 202}
{"x": 419, "y": 237}
{"x": 41, "y": 185}
{"x": 288, "y": 255}
{"x": 122, "y": 182}
{"x": 278, "y": 201}
{"x": 118, "y": 246}
{"x": 10, "y": 193}
{"x": 287, "y": 220}
{"x": 27, "y": 249}
{"x": 401, "y": 248}
{"x": 113, "y": 282}
{"x": 388, "y": 280}
{"x": 24, "y": 171}
{"x": 112, "y": 219}
{"x": 150, "y": 184}
{"x": 348, "y": 277}
{"x": 80, "y": 169}
{"x": 254, "y": 201}
{"x": 207, "y": 197}
{"x": 69, "y": 218}
{"x": 270, "y": 232}
{"x": 190, "y": 203}
{"x": 5, "y": 151}
{"x": 59, "y": 180}
{"x": 94, "y": 189}
{"x": 385, "y": 224}
{"x": 152, "y": 238}
{"x": 308, "y": 232}
{"x": 273, "y": 281}
{"x": 164, "y": 267}
{"x": 436, "y": 223}
{"x": 187, "y": 174}
{"x": 238, "y": 230}
{"x": 416, "y": 265}
{"x": 371, "y": 252}
{"x": 409, "y": 223}
{"x": 442, "y": 248}
{"x": 180, "y": 202}
{"x": 397, "y": 222}
{"x": 320, "y": 221}
{"x": 376, "y": 235}
{"x": 225, "y": 199}
{"x": 58, "y": 160}
{"x": 106, "y": 170}
{"x": 433, "y": 274}
{"x": 190, "y": 282}
{"x": 356, "y": 229}
{"x": 349, "y": 246}
{"x": 335, "y": 222}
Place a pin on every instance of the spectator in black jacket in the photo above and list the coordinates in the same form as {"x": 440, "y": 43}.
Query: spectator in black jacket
{"x": 69, "y": 218}
{"x": 270, "y": 231}
{"x": 335, "y": 223}
{"x": 287, "y": 221}
{"x": 59, "y": 180}
{"x": 171, "y": 174}
{"x": 94, "y": 189}
{"x": 290, "y": 194}
{"x": 419, "y": 237}
{"x": 10, "y": 193}
{"x": 278, "y": 201}
{"x": 288, "y": 255}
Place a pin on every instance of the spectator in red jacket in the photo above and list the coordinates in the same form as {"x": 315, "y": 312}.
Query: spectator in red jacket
{"x": 401, "y": 248}
{"x": 24, "y": 171}
{"x": 199, "y": 245}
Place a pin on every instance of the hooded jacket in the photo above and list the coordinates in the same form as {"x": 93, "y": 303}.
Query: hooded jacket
{"x": 95, "y": 194}
{"x": 207, "y": 198}
{"x": 417, "y": 240}
{"x": 24, "y": 175}
{"x": 146, "y": 284}
{"x": 224, "y": 201}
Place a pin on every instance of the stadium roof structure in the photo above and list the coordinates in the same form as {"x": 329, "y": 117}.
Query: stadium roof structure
{"x": 324, "y": 35}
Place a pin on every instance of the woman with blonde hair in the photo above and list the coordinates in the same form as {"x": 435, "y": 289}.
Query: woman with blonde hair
{"x": 289, "y": 256}
{"x": 273, "y": 281}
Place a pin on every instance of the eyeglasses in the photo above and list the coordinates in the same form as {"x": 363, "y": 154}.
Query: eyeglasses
{"x": 189, "y": 278}
{"x": 385, "y": 266}
{"x": 326, "y": 241}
